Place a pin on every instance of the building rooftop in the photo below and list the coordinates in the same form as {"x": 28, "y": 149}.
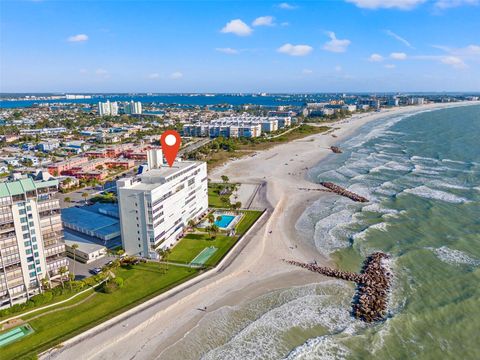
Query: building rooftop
{"x": 155, "y": 177}
{"x": 94, "y": 222}
{"x": 23, "y": 185}
{"x": 83, "y": 244}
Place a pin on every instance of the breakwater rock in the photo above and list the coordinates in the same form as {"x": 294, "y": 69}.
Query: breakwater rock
{"x": 336, "y": 149}
{"x": 373, "y": 284}
{"x": 342, "y": 191}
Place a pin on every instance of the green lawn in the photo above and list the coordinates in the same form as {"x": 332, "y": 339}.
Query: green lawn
{"x": 143, "y": 281}
{"x": 248, "y": 219}
{"x": 214, "y": 196}
{"x": 192, "y": 244}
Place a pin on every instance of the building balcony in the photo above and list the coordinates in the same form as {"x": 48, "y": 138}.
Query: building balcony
{"x": 7, "y": 226}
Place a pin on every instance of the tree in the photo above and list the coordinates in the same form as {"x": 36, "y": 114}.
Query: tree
{"x": 62, "y": 271}
{"x": 191, "y": 223}
{"x": 45, "y": 283}
{"x": 74, "y": 248}
{"x": 225, "y": 178}
{"x": 120, "y": 252}
{"x": 68, "y": 199}
{"x": 85, "y": 196}
{"x": 161, "y": 254}
{"x": 211, "y": 218}
{"x": 214, "y": 229}
{"x": 237, "y": 205}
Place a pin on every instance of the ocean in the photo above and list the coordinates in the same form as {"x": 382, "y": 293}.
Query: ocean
{"x": 421, "y": 173}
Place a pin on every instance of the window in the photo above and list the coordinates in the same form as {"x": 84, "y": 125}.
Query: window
{"x": 39, "y": 270}
{"x": 26, "y": 236}
{"x": 35, "y": 254}
{"x": 31, "y": 267}
{"x": 23, "y": 220}
{"x": 28, "y": 251}
{"x": 35, "y": 247}
{"x": 31, "y": 224}
{"x": 24, "y": 228}
{"x": 22, "y": 211}
{"x": 37, "y": 262}
{"x": 30, "y": 259}
{"x": 32, "y": 274}
{"x": 26, "y": 243}
{"x": 34, "y": 239}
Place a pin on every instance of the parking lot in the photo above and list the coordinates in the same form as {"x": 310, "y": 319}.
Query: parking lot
{"x": 81, "y": 270}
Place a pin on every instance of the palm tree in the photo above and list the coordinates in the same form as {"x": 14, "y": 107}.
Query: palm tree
{"x": 211, "y": 218}
{"x": 161, "y": 254}
{"x": 68, "y": 199}
{"x": 74, "y": 247}
{"x": 225, "y": 178}
{"x": 214, "y": 229}
{"x": 62, "y": 271}
{"x": 85, "y": 196}
{"x": 45, "y": 283}
{"x": 191, "y": 223}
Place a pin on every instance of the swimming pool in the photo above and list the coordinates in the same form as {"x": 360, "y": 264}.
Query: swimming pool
{"x": 224, "y": 221}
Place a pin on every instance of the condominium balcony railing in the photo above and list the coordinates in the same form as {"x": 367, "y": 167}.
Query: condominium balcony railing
{"x": 7, "y": 226}
{"x": 7, "y": 235}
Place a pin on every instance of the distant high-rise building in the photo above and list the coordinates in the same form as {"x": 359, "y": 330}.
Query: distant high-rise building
{"x": 31, "y": 238}
{"x": 133, "y": 108}
{"x": 108, "y": 108}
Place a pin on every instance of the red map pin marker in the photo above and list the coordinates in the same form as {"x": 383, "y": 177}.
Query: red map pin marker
{"x": 170, "y": 141}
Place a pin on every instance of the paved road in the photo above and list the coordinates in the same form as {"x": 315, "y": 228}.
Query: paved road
{"x": 194, "y": 146}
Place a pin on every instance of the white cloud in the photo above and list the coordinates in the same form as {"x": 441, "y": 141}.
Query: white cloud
{"x": 398, "y": 56}
{"x": 153, "y": 76}
{"x": 237, "y": 27}
{"x": 307, "y": 71}
{"x": 445, "y": 4}
{"x": 264, "y": 21}
{"x": 78, "y": 38}
{"x": 102, "y": 73}
{"x": 176, "y": 75}
{"x": 390, "y": 66}
{"x": 287, "y": 6}
{"x": 453, "y": 61}
{"x": 387, "y": 4}
{"x": 375, "y": 58}
{"x": 295, "y": 50}
{"x": 399, "y": 38}
{"x": 470, "y": 51}
{"x": 229, "y": 51}
{"x": 336, "y": 45}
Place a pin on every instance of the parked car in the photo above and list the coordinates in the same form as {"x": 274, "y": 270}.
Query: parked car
{"x": 95, "y": 271}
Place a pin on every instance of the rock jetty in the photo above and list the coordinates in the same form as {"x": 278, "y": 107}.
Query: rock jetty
{"x": 373, "y": 285}
{"x": 336, "y": 149}
{"x": 342, "y": 191}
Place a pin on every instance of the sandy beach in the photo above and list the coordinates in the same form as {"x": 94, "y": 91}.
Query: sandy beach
{"x": 280, "y": 174}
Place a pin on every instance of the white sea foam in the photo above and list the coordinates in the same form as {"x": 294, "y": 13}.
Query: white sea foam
{"x": 454, "y": 257}
{"x": 378, "y": 208}
{"x": 428, "y": 193}
{"x": 331, "y": 232}
{"x": 320, "y": 348}
{"x": 444, "y": 184}
{"x": 382, "y": 226}
{"x": 261, "y": 339}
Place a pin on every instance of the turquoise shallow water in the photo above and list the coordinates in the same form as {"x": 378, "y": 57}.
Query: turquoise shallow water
{"x": 422, "y": 175}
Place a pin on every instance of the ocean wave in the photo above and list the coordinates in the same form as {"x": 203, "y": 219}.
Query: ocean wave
{"x": 330, "y": 230}
{"x": 454, "y": 257}
{"x": 378, "y": 208}
{"x": 428, "y": 193}
{"x": 382, "y": 226}
{"x": 261, "y": 339}
{"x": 444, "y": 184}
{"x": 320, "y": 348}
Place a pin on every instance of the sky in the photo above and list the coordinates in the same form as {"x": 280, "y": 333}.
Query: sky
{"x": 244, "y": 46}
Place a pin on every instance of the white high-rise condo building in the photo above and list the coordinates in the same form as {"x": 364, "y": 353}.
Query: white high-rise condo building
{"x": 133, "y": 108}
{"x": 31, "y": 238}
{"x": 108, "y": 108}
{"x": 157, "y": 205}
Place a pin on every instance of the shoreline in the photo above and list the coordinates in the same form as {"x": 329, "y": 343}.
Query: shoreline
{"x": 258, "y": 268}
